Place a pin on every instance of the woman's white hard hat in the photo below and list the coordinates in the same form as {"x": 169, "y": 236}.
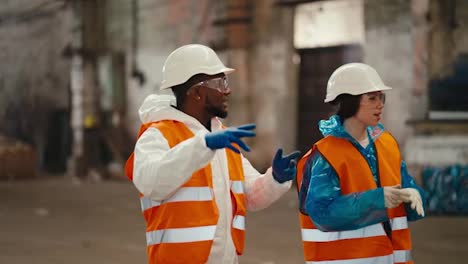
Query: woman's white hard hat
{"x": 354, "y": 79}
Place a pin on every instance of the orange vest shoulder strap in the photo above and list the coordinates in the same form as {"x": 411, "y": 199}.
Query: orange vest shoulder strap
{"x": 167, "y": 128}
{"x": 387, "y": 147}
{"x": 324, "y": 146}
{"x": 174, "y": 131}
{"x": 345, "y": 159}
{"x": 387, "y": 140}
{"x": 329, "y": 145}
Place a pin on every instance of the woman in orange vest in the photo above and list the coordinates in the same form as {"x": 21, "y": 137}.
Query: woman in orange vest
{"x": 195, "y": 186}
{"x": 355, "y": 193}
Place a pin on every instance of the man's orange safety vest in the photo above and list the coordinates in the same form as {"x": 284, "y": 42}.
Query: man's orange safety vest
{"x": 181, "y": 228}
{"x": 369, "y": 244}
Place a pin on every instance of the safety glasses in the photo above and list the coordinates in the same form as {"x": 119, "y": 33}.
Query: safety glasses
{"x": 220, "y": 84}
{"x": 373, "y": 98}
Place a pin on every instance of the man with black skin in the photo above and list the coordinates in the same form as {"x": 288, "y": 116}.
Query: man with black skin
{"x": 195, "y": 186}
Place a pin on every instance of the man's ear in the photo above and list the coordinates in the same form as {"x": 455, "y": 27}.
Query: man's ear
{"x": 195, "y": 92}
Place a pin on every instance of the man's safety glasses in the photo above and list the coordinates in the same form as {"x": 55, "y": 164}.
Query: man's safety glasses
{"x": 220, "y": 84}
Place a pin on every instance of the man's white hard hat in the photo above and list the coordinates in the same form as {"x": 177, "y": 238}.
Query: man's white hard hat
{"x": 190, "y": 60}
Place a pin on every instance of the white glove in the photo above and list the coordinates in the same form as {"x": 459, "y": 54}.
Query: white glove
{"x": 392, "y": 196}
{"x": 411, "y": 195}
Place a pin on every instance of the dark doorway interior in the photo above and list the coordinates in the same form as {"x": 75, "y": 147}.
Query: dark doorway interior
{"x": 316, "y": 67}
{"x": 58, "y": 140}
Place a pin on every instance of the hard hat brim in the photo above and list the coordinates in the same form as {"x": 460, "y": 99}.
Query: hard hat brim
{"x": 225, "y": 70}
{"x": 381, "y": 88}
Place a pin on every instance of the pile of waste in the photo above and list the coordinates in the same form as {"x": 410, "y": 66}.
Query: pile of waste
{"x": 446, "y": 189}
{"x": 18, "y": 160}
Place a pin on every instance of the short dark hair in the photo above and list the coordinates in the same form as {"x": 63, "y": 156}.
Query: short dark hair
{"x": 348, "y": 105}
{"x": 180, "y": 90}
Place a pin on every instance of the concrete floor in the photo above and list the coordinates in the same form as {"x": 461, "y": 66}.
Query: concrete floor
{"x": 57, "y": 221}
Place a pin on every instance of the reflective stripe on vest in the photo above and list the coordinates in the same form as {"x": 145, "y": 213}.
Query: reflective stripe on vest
{"x": 399, "y": 223}
{"x": 374, "y": 260}
{"x": 402, "y": 256}
{"x": 315, "y": 235}
{"x": 180, "y": 235}
{"x": 369, "y": 244}
{"x": 237, "y": 187}
{"x": 239, "y": 222}
{"x": 236, "y": 177}
{"x": 184, "y": 194}
{"x": 181, "y": 228}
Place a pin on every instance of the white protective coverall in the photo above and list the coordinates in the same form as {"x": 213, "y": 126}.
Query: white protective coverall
{"x": 159, "y": 171}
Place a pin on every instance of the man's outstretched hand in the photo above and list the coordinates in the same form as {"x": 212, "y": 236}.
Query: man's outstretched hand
{"x": 284, "y": 167}
{"x": 225, "y": 138}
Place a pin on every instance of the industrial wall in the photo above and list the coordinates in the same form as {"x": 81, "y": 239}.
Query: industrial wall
{"x": 388, "y": 48}
{"x": 410, "y": 43}
{"x": 251, "y": 36}
{"x": 255, "y": 37}
{"x": 33, "y": 73}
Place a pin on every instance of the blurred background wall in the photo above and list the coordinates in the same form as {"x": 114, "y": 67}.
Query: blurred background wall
{"x": 34, "y": 81}
{"x": 74, "y": 72}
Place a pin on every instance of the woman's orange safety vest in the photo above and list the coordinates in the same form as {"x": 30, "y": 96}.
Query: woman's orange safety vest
{"x": 369, "y": 244}
{"x": 181, "y": 228}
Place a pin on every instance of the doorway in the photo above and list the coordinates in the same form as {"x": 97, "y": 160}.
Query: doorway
{"x": 316, "y": 66}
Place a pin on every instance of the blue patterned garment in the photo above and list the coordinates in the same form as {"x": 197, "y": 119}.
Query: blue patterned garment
{"x": 320, "y": 195}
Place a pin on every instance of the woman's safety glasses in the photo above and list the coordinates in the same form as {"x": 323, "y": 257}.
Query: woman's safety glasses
{"x": 373, "y": 98}
{"x": 220, "y": 84}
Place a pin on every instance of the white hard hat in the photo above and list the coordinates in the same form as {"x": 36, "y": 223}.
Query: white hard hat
{"x": 190, "y": 60}
{"x": 354, "y": 79}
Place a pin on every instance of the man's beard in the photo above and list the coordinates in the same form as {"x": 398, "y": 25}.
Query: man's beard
{"x": 216, "y": 111}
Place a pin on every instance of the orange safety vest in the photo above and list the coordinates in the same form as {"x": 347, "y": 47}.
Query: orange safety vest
{"x": 181, "y": 228}
{"x": 369, "y": 244}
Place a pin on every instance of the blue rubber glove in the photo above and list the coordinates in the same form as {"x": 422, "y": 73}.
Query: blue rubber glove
{"x": 284, "y": 167}
{"x": 224, "y": 138}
